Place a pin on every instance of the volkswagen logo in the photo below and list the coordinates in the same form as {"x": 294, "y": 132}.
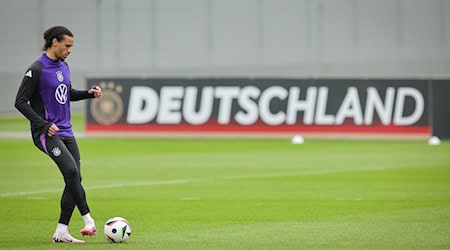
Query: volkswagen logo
{"x": 61, "y": 94}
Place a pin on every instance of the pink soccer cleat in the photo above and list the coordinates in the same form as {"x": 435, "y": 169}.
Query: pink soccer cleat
{"x": 89, "y": 229}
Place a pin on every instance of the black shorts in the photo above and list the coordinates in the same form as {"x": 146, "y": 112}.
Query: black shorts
{"x": 60, "y": 148}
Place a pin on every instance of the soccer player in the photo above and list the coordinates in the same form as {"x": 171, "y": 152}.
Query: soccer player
{"x": 44, "y": 98}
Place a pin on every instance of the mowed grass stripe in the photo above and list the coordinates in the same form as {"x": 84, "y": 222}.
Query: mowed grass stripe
{"x": 172, "y": 182}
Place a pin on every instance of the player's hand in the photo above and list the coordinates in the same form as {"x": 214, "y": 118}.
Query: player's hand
{"x": 52, "y": 130}
{"x": 97, "y": 91}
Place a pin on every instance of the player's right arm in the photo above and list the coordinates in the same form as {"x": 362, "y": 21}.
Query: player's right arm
{"x": 27, "y": 91}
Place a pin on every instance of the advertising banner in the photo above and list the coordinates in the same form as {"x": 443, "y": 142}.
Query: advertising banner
{"x": 244, "y": 105}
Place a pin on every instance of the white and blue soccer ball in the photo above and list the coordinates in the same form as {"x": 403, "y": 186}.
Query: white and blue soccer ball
{"x": 117, "y": 230}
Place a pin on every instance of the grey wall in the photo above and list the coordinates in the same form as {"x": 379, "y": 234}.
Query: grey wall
{"x": 241, "y": 38}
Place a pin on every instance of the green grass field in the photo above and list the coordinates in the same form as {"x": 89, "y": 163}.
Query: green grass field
{"x": 236, "y": 194}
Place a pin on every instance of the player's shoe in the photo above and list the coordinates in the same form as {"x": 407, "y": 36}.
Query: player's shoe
{"x": 89, "y": 229}
{"x": 65, "y": 238}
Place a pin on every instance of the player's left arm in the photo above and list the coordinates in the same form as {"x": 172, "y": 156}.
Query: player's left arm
{"x": 76, "y": 95}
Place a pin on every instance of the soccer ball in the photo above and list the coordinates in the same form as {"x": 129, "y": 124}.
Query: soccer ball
{"x": 117, "y": 230}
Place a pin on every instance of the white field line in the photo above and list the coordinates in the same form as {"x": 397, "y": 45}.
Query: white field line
{"x": 134, "y": 184}
{"x": 171, "y": 182}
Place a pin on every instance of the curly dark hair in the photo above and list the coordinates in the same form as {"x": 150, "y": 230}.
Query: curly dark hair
{"x": 57, "y": 32}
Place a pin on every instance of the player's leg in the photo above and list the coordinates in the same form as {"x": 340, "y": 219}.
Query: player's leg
{"x": 89, "y": 223}
{"x": 61, "y": 234}
{"x": 67, "y": 206}
{"x": 66, "y": 163}
{"x": 67, "y": 201}
{"x": 74, "y": 192}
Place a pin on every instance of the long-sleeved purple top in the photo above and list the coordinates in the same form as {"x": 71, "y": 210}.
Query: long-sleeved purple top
{"x": 45, "y": 94}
